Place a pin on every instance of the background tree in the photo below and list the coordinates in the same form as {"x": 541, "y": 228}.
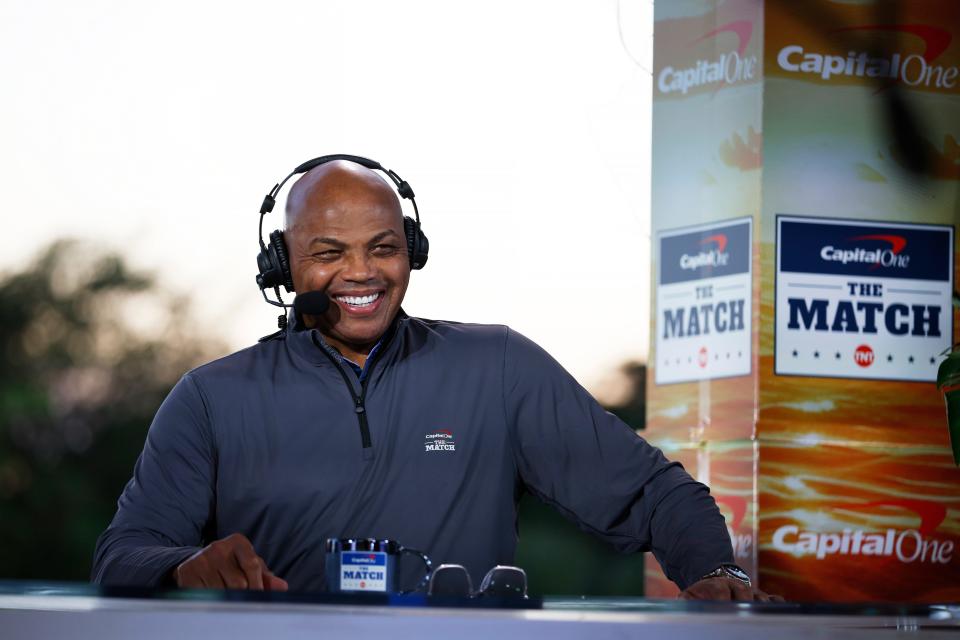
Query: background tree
{"x": 89, "y": 350}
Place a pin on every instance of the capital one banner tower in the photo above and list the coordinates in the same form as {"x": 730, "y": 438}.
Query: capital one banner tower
{"x": 806, "y": 185}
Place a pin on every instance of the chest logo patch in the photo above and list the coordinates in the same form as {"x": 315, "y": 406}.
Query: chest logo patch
{"x": 440, "y": 440}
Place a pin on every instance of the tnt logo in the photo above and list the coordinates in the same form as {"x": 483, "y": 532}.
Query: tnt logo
{"x": 863, "y": 356}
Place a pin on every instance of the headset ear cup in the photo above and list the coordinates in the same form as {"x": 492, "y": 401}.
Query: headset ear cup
{"x": 410, "y": 231}
{"x": 423, "y": 248}
{"x": 417, "y": 243}
{"x": 279, "y": 247}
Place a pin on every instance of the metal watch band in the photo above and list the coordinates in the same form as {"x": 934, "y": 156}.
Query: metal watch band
{"x": 731, "y": 571}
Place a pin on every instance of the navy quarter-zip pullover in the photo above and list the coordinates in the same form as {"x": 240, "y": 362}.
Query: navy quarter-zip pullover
{"x": 283, "y": 443}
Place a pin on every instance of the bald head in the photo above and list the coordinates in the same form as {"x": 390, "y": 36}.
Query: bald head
{"x": 345, "y": 237}
{"x": 334, "y": 184}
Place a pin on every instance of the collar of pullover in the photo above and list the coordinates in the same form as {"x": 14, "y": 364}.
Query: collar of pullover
{"x": 310, "y": 344}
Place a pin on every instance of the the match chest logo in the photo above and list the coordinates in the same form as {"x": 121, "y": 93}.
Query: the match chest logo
{"x": 439, "y": 440}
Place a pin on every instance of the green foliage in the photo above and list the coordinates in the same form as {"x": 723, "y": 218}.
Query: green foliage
{"x": 89, "y": 351}
{"x": 559, "y": 558}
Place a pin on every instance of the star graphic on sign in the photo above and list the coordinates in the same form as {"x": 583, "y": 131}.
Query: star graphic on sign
{"x": 910, "y": 359}
{"x": 816, "y": 354}
{"x": 794, "y": 353}
{"x": 931, "y": 360}
{"x": 889, "y": 358}
{"x": 838, "y": 355}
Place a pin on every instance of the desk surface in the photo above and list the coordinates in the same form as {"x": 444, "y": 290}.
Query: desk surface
{"x": 32, "y": 610}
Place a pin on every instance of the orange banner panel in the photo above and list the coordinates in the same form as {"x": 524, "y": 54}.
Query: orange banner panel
{"x": 852, "y": 521}
{"x": 874, "y": 45}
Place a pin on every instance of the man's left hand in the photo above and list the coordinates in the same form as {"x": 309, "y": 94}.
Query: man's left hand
{"x": 725, "y": 589}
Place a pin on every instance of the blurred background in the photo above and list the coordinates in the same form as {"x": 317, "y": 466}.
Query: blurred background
{"x": 139, "y": 140}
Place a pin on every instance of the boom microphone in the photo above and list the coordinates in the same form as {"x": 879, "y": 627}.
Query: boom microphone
{"x": 311, "y": 303}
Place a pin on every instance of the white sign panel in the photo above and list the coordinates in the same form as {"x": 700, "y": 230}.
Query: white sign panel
{"x": 704, "y": 302}
{"x": 363, "y": 571}
{"x": 862, "y": 299}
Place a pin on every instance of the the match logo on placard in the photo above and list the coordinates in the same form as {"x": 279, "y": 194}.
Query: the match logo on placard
{"x": 704, "y": 302}
{"x": 862, "y": 299}
{"x": 363, "y": 571}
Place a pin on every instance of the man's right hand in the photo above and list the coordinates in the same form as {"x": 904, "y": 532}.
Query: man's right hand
{"x": 230, "y": 563}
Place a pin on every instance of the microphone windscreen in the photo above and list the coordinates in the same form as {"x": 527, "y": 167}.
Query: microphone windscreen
{"x": 311, "y": 303}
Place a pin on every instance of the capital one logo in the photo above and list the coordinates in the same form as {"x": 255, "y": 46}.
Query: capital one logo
{"x": 709, "y": 256}
{"x": 728, "y": 68}
{"x": 914, "y": 70}
{"x": 907, "y": 546}
{"x": 891, "y": 256}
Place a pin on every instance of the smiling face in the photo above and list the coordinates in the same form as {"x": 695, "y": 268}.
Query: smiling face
{"x": 345, "y": 237}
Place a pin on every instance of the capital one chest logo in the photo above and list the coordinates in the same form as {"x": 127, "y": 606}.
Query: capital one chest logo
{"x": 730, "y": 67}
{"x": 439, "y": 440}
{"x": 861, "y": 299}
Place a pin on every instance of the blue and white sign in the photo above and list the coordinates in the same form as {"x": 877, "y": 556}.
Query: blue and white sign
{"x": 704, "y": 301}
{"x": 859, "y": 299}
{"x": 363, "y": 571}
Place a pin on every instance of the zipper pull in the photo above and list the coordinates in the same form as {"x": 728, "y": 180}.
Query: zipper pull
{"x": 359, "y": 408}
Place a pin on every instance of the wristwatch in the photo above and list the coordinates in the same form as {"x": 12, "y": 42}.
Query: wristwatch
{"x": 731, "y": 571}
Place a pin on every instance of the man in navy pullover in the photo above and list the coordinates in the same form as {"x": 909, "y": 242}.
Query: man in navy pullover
{"x": 324, "y": 431}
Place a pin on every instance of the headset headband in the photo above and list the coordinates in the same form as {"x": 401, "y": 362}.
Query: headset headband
{"x": 403, "y": 187}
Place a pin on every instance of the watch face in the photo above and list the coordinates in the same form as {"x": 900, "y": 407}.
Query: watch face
{"x": 737, "y": 572}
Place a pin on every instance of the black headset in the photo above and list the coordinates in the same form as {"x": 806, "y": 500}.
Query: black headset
{"x": 273, "y": 261}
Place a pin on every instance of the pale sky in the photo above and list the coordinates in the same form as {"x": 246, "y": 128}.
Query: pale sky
{"x": 523, "y": 126}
